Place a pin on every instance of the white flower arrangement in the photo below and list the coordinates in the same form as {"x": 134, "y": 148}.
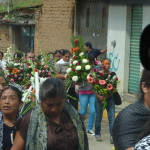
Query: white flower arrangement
{"x": 81, "y": 54}
{"x": 75, "y": 78}
{"x": 78, "y": 68}
{"x": 75, "y": 62}
{"x": 84, "y": 61}
{"x": 68, "y": 70}
{"x": 87, "y": 67}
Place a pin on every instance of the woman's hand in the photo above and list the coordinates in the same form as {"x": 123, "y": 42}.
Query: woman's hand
{"x": 101, "y": 98}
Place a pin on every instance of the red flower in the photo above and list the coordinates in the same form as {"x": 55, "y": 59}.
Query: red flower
{"x": 79, "y": 72}
{"x": 78, "y": 63}
{"x": 27, "y": 87}
{"x": 97, "y": 81}
{"x": 74, "y": 57}
{"x": 38, "y": 64}
{"x": 36, "y": 70}
{"x": 109, "y": 87}
{"x": 9, "y": 68}
{"x": 90, "y": 80}
{"x": 90, "y": 75}
{"x": 73, "y": 69}
{"x": 116, "y": 79}
{"x": 76, "y": 41}
{"x": 102, "y": 82}
{"x": 101, "y": 74}
{"x": 95, "y": 70}
{"x": 21, "y": 70}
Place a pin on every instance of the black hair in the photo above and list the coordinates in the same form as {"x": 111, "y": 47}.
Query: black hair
{"x": 2, "y": 53}
{"x": 51, "y": 88}
{"x": 57, "y": 51}
{"x": 144, "y": 78}
{"x": 89, "y": 44}
{"x": 18, "y": 55}
{"x": 39, "y": 57}
{"x": 145, "y": 47}
{"x": 105, "y": 59}
{"x": 18, "y": 92}
{"x": 65, "y": 51}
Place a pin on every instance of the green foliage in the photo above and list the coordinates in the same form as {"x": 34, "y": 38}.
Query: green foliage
{"x": 3, "y": 7}
{"x": 25, "y": 3}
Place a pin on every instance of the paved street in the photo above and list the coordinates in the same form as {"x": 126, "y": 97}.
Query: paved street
{"x": 105, "y": 144}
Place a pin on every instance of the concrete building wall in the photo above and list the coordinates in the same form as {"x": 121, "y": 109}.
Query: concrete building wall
{"x": 54, "y": 25}
{"x": 119, "y": 32}
{"x": 5, "y": 37}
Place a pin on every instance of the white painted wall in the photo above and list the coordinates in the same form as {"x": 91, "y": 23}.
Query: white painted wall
{"x": 119, "y": 30}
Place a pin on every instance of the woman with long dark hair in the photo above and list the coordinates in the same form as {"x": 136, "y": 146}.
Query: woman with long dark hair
{"x": 130, "y": 121}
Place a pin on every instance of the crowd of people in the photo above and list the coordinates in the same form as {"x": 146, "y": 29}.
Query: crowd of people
{"x": 58, "y": 121}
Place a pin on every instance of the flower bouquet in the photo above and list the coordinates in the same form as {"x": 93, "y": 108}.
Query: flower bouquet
{"x": 80, "y": 66}
{"x": 103, "y": 85}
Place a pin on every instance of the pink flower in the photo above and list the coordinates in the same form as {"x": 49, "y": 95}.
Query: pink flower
{"x": 46, "y": 66}
{"x": 12, "y": 80}
{"x": 15, "y": 76}
{"x": 90, "y": 80}
{"x": 109, "y": 87}
{"x": 76, "y": 41}
{"x": 28, "y": 75}
{"x": 43, "y": 71}
{"x": 102, "y": 82}
{"x": 19, "y": 78}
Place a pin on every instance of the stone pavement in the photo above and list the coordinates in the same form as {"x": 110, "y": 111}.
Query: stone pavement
{"x": 105, "y": 144}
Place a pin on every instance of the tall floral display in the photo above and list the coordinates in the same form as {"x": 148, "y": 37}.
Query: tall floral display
{"x": 24, "y": 74}
{"x": 80, "y": 65}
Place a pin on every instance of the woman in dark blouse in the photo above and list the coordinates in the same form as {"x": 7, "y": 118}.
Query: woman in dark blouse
{"x": 52, "y": 125}
{"x": 10, "y": 102}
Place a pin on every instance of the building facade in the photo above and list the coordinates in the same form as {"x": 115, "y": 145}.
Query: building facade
{"x": 47, "y": 25}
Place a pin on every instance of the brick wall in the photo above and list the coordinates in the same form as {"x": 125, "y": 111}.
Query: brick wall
{"x": 54, "y": 25}
{"x": 5, "y": 37}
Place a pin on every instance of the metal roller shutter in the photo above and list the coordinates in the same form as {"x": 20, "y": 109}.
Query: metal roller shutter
{"x": 134, "y": 64}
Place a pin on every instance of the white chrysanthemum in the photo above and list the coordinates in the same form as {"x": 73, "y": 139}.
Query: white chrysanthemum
{"x": 87, "y": 67}
{"x": 16, "y": 64}
{"x": 70, "y": 64}
{"x": 88, "y": 76}
{"x": 68, "y": 70}
{"x": 78, "y": 68}
{"x": 84, "y": 61}
{"x": 75, "y": 62}
{"x": 75, "y": 78}
{"x": 81, "y": 54}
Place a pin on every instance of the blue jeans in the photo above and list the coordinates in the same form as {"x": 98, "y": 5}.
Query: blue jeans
{"x": 99, "y": 113}
{"x": 86, "y": 99}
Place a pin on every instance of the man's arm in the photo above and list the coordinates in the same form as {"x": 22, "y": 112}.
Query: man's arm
{"x": 103, "y": 50}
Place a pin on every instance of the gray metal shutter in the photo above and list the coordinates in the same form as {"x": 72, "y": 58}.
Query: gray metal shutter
{"x": 134, "y": 64}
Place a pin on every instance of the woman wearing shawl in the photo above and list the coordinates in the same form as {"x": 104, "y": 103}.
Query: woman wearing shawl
{"x": 61, "y": 68}
{"x": 10, "y": 102}
{"x": 130, "y": 121}
{"x": 53, "y": 124}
